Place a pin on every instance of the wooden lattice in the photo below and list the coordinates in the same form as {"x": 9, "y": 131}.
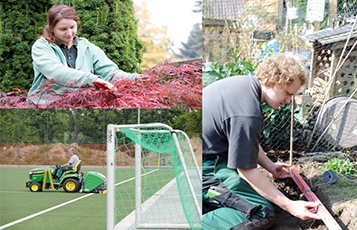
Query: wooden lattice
{"x": 346, "y": 78}
{"x": 325, "y": 63}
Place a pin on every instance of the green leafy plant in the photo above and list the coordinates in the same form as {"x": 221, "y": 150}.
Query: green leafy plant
{"x": 240, "y": 66}
{"x": 341, "y": 166}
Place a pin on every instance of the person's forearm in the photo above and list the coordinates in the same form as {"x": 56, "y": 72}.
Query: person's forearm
{"x": 65, "y": 165}
{"x": 264, "y": 187}
{"x": 263, "y": 160}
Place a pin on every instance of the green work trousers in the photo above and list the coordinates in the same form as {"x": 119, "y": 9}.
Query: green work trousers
{"x": 61, "y": 170}
{"x": 230, "y": 218}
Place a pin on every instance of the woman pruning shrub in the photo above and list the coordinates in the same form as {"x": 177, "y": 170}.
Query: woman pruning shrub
{"x": 64, "y": 62}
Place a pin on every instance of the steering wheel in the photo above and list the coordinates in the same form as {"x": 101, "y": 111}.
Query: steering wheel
{"x": 58, "y": 166}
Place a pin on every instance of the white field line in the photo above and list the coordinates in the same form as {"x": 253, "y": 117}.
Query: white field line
{"x": 42, "y": 212}
{"x": 122, "y": 182}
{"x": 63, "y": 204}
{"x": 129, "y": 220}
{"x": 12, "y": 192}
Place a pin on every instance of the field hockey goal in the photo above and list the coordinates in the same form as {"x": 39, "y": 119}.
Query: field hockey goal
{"x": 153, "y": 180}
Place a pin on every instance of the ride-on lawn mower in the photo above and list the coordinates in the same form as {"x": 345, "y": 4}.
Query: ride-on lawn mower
{"x": 71, "y": 181}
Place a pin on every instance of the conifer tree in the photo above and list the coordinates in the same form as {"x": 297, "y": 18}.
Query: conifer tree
{"x": 111, "y": 25}
{"x": 20, "y": 23}
{"x": 193, "y": 47}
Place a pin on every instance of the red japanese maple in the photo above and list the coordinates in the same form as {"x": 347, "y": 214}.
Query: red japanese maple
{"x": 171, "y": 87}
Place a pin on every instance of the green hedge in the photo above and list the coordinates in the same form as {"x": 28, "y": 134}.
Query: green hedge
{"x": 21, "y": 22}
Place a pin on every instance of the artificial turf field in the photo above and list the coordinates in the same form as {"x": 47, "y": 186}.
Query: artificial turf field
{"x": 89, "y": 212}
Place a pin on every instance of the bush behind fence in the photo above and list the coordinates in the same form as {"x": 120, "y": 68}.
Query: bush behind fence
{"x": 43, "y": 137}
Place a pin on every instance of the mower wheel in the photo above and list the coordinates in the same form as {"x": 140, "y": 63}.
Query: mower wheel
{"x": 35, "y": 187}
{"x": 71, "y": 185}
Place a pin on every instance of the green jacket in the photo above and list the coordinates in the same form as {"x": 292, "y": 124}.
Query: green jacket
{"x": 49, "y": 63}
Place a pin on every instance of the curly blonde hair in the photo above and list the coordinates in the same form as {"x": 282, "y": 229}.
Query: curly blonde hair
{"x": 281, "y": 69}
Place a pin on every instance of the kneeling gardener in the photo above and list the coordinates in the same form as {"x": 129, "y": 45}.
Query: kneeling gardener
{"x": 236, "y": 195}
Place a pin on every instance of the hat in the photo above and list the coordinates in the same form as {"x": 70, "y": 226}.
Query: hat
{"x": 73, "y": 150}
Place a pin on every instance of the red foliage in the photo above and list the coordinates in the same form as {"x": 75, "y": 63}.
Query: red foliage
{"x": 14, "y": 99}
{"x": 171, "y": 87}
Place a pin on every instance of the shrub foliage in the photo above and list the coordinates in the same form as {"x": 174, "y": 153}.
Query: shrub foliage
{"x": 170, "y": 87}
{"x": 21, "y": 22}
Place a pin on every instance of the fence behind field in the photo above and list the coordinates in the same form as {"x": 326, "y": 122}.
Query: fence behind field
{"x": 43, "y": 137}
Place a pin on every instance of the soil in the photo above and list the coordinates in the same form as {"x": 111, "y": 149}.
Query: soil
{"x": 341, "y": 206}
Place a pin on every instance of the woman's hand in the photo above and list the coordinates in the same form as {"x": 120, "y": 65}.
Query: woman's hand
{"x": 144, "y": 78}
{"x": 278, "y": 170}
{"x": 106, "y": 84}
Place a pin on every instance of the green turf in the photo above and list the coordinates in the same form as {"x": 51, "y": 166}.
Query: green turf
{"x": 16, "y": 202}
{"x": 151, "y": 183}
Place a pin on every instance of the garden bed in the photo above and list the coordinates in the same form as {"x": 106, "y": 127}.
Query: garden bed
{"x": 339, "y": 198}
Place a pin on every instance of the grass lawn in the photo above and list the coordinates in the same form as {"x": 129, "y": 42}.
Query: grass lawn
{"x": 16, "y": 202}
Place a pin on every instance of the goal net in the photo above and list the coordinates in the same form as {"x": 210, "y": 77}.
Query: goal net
{"x": 153, "y": 180}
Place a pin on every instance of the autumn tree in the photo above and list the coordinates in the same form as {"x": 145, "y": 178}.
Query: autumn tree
{"x": 156, "y": 42}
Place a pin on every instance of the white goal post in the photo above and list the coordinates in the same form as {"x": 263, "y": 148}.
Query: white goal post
{"x": 141, "y": 129}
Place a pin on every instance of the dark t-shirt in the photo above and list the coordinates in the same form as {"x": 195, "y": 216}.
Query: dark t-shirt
{"x": 232, "y": 121}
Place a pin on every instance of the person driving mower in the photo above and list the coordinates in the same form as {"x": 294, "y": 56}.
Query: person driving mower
{"x": 70, "y": 165}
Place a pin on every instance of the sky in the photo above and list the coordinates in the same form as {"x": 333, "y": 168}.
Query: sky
{"x": 177, "y": 16}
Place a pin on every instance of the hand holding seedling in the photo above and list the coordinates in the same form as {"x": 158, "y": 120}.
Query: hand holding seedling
{"x": 278, "y": 170}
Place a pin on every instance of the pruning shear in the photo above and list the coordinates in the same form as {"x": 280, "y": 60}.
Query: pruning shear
{"x": 99, "y": 85}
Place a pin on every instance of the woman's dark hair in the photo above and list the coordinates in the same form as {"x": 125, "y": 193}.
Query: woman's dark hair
{"x": 56, "y": 14}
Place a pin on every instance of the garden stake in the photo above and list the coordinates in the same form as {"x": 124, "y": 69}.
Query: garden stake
{"x": 292, "y": 130}
{"x": 321, "y": 210}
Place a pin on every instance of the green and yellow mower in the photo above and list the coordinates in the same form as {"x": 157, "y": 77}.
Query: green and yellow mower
{"x": 70, "y": 181}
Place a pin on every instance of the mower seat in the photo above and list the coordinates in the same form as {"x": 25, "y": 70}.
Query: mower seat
{"x": 76, "y": 168}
